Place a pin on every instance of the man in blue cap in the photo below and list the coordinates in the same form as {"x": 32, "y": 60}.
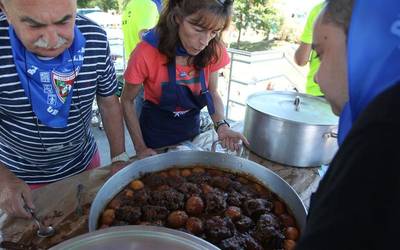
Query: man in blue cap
{"x": 356, "y": 204}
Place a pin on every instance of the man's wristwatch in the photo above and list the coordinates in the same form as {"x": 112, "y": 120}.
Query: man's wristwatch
{"x": 124, "y": 157}
{"x": 219, "y": 124}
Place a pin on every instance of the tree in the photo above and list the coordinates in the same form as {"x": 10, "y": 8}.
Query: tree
{"x": 102, "y": 4}
{"x": 84, "y": 3}
{"x": 259, "y": 15}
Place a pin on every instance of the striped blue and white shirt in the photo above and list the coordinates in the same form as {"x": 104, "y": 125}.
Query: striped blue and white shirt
{"x": 37, "y": 153}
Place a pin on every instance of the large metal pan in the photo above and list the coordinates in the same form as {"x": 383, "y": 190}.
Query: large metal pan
{"x": 184, "y": 159}
{"x": 291, "y": 128}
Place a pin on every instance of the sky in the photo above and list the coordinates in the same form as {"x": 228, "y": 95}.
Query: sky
{"x": 303, "y": 5}
{"x": 298, "y": 6}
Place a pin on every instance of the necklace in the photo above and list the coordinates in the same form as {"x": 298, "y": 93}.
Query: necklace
{"x": 36, "y": 119}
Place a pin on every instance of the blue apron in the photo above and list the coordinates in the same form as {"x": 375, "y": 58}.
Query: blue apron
{"x": 159, "y": 124}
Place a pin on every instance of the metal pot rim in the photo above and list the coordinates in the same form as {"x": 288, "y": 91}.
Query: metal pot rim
{"x": 277, "y": 118}
{"x": 294, "y": 94}
{"x": 185, "y": 159}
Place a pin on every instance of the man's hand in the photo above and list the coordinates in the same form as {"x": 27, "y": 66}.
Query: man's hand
{"x": 230, "y": 139}
{"x": 14, "y": 194}
{"x": 146, "y": 152}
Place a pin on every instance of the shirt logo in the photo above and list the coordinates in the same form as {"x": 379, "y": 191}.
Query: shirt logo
{"x": 32, "y": 70}
{"x": 45, "y": 77}
{"x": 63, "y": 83}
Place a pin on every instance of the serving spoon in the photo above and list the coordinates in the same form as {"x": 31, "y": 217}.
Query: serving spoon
{"x": 43, "y": 231}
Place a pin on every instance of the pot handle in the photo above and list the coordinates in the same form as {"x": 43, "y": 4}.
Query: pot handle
{"x": 331, "y": 134}
{"x": 296, "y": 103}
{"x": 215, "y": 143}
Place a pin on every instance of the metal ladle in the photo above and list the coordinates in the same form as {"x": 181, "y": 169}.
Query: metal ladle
{"x": 43, "y": 231}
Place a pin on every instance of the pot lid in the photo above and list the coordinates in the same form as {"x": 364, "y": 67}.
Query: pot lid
{"x": 293, "y": 106}
{"x": 135, "y": 237}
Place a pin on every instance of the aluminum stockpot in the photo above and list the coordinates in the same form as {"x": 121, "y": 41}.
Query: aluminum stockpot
{"x": 291, "y": 128}
{"x": 185, "y": 159}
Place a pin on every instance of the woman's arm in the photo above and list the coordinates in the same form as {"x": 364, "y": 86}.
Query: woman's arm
{"x": 229, "y": 138}
{"x": 131, "y": 119}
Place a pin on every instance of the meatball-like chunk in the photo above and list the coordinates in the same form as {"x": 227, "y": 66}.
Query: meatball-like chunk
{"x": 279, "y": 207}
{"x": 198, "y": 178}
{"x": 244, "y": 223}
{"x": 217, "y": 228}
{"x": 128, "y": 214}
{"x": 136, "y": 185}
{"x": 221, "y": 182}
{"x": 194, "y": 205}
{"x": 175, "y": 181}
{"x": 241, "y": 241}
{"x": 177, "y": 219}
{"x": 233, "y": 212}
{"x": 170, "y": 199}
{"x": 292, "y": 233}
{"x": 269, "y": 232}
{"x": 251, "y": 243}
{"x": 194, "y": 225}
{"x": 189, "y": 189}
{"x": 235, "y": 242}
{"x": 235, "y": 199}
{"x": 289, "y": 245}
{"x": 215, "y": 202}
{"x": 287, "y": 220}
{"x": 154, "y": 213}
{"x": 115, "y": 203}
{"x": 138, "y": 199}
{"x": 255, "y": 207}
{"x": 154, "y": 180}
{"x": 108, "y": 217}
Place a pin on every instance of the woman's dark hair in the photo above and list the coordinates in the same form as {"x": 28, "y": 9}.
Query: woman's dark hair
{"x": 211, "y": 13}
{"x": 339, "y": 12}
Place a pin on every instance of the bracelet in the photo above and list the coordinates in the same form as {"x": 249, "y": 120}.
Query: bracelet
{"x": 121, "y": 157}
{"x": 219, "y": 124}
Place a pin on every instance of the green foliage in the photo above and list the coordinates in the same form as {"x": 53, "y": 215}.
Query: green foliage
{"x": 258, "y": 15}
{"x": 102, "y": 4}
{"x": 254, "y": 46}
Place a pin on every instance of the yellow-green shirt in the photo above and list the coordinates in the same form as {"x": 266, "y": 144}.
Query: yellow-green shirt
{"x": 138, "y": 15}
{"x": 312, "y": 88}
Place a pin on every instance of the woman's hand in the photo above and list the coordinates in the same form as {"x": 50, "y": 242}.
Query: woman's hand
{"x": 117, "y": 166}
{"x": 229, "y": 138}
{"x": 145, "y": 152}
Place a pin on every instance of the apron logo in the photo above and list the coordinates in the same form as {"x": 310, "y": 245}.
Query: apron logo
{"x": 180, "y": 113}
{"x": 63, "y": 83}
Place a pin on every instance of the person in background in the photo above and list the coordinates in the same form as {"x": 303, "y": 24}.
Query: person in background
{"x": 305, "y": 54}
{"x": 356, "y": 204}
{"x": 138, "y": 16}
{"x": 53, "y": 64}
{"x": 178, "y": 64}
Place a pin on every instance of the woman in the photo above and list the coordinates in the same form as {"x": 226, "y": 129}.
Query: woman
{"x": 177, "y": 62}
